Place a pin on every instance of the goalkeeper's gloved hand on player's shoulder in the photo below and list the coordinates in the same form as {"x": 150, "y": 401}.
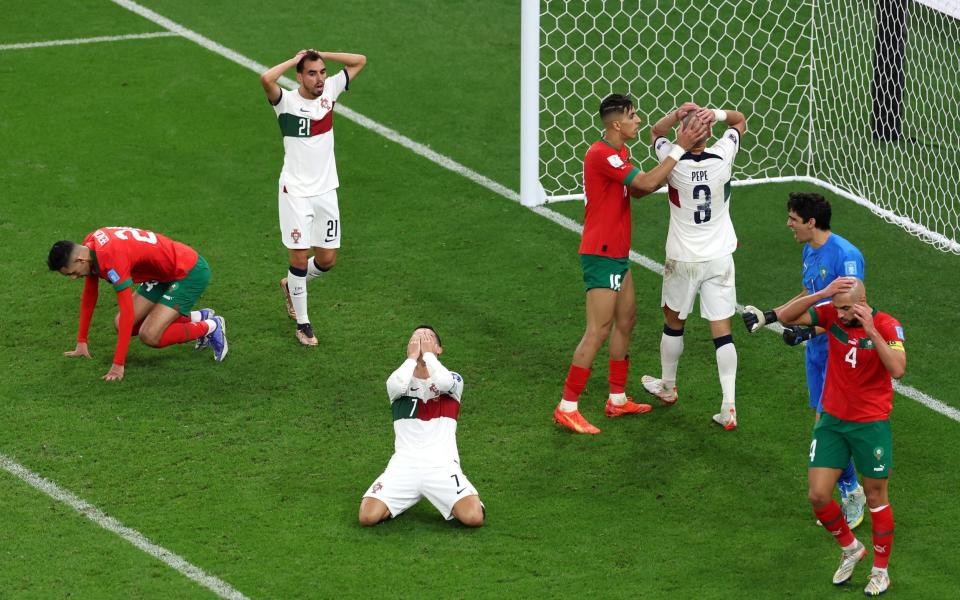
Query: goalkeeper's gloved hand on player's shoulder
{"x": 754, "y": 318}
{"x": 794, "y": 335}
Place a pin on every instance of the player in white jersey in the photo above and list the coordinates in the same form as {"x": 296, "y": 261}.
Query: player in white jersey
{"x": 309, "y": 212}
{"x": 700, "y": 245}
{"x": 425, "y": 402}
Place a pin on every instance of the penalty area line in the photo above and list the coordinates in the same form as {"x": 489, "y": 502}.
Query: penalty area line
{"x": 178, "y": 563}
{"x": 90, "y": 40}
{"x": 448, "y": 163}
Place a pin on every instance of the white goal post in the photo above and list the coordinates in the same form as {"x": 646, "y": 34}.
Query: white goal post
{"x": 857, "y": 96}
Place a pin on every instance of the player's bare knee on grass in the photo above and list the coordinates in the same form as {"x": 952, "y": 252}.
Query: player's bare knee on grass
{"x": 372, "y": 511}
{"x": 470, "y": 512}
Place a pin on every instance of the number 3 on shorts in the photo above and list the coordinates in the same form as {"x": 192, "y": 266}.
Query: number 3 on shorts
{"x": 615, "y": 281}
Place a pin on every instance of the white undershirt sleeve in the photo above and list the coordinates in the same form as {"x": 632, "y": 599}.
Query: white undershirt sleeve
{"x": 439, "y": 374}
{"x": 399, "y": 380}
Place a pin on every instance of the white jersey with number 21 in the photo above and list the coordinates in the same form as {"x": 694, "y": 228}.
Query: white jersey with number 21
{"x": 699, "y": 194}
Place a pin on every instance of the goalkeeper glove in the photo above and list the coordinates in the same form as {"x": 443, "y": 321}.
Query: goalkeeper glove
{"x": 794, "y": 335}
{"x": 754, "y": 318}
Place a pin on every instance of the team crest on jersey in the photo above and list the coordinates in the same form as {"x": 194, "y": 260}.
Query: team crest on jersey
{"x": 295, "y": 235}
{"x": 376, "y": 487}
{"x": 615, "y": 161}
{"x": 868, "y": 343}
{"x": 850, "y": 267}
{"x": 112, "y": 276}
{"x": 324, "y": 104}
{"x": 823, "y": 272}
{"x": 101, "y": 237}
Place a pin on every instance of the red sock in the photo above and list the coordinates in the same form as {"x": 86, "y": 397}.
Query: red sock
{"x": 178, "y": 333}
{"x": 618, "y": 375}
{"x": 832, "y": 518}
{"x": 882, "y": 521}
{"x": 576, "y": 381}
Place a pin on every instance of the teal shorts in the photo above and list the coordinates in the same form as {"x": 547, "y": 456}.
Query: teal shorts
{"x": 179, "y": 295}
{"x": 870, "y": 444}
{"x": 603, "y": 272}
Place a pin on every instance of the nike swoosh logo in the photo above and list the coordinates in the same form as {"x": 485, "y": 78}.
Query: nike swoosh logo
{"x": 304, "y": 110}
{"x": 461, "y": 490}
{"x": 414, "y": 389}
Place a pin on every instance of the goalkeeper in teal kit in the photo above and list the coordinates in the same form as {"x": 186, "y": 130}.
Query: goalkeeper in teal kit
{"x": 826, "y": 256}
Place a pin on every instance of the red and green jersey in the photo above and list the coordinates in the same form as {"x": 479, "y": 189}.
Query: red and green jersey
{"x": 127, "y": 255}
{"x": 606, "y": 222}
{"x": 858, "y": 387}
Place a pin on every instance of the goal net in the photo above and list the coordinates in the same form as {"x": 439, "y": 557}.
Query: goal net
{"x": 858, "y": 96}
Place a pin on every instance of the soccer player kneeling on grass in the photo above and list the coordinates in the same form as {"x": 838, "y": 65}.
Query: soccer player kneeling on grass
{"x": 171, "y": 276}
{"x": 865, "y": 349}
{"x": 425, "y": 401}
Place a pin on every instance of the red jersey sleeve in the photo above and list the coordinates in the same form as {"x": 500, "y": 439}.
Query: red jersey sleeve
{"x": 88, "y": 302}
{"x": 823, "y": 315}
{"x": 115, "y": 268}
{"x": 608, "y": 163}
{"x": 891, "y": 330}
{"x": 125, "y": 328}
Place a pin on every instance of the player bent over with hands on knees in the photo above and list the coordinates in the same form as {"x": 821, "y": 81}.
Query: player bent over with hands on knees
{"x": 865, "y": 350}
{"x": 610, "y": 180}
{"x": 172, "y": 276}
{"x": 425, "y": 402}
{"x": 826, "y": 256}
{"x": 307, "y": 196}
{"x": 699, "y": 250}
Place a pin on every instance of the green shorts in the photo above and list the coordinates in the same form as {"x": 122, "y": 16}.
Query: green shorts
{"x": 603, "y": 272}
{"x": 870, "y": 444}
{"x": 179, "y": 295}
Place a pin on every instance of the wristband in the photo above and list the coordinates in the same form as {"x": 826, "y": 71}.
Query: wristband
{"x": 677, "y": 153}
{"x": 719, "y": 115}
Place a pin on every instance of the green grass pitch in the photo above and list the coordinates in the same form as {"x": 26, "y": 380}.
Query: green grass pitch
{"x": 253, "y": 469}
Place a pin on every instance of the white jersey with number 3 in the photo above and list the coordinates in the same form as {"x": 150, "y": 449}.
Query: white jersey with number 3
{"x": 699, "y": 194}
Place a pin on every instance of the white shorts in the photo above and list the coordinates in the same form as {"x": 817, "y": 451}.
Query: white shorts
{"x": 714, "y": 280}
{"x": 401, "y": 486}
{"x": 309, "y": 222}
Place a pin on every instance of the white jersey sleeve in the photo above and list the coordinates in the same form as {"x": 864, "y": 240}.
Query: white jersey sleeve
{"x": 439, "y": 374}
{"x": 337, "y": 84}
{"x": 662, "y": 147}
{"x": 728, "y": 145}
{"x": 399, "y": 380}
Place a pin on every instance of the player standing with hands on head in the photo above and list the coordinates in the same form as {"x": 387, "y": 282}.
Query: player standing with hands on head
{"x": 609, "y": 181}
{"x": 865, "y": 349}
{"x": 826, "y": 256}
{"x": 309, "y": 210}
{"x": 699, "y": 252}
{"x": 172, "y": 276}
{"x": 425, "y": 401}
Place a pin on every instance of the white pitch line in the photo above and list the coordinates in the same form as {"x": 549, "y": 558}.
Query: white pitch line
{"x": 90, "y": 40}
{"x": 452, "y": 165}
{"x": 178, "y": 563}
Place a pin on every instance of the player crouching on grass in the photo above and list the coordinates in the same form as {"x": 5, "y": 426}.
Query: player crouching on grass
{"x": 865, "y": 349}
{"x": 425, "y": 402}
{"x": 171, "y": 276}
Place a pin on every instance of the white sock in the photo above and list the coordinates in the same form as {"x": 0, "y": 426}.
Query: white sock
{"x": 195, "y": 316}
{"x": 618, "y": 399}
{"x": 671, "y": 347}
{"x": 312, "y": 271}
{"x": 211, "y": 326}
{"x": 567, "y": 406}
{"x": 298, "y": 296}
{"x": 727, "y": 367}
{"x": 850, "y": 547}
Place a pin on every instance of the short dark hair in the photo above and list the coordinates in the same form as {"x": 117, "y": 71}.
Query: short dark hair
{"x": 811, "y": 206}
{"x": 60, "y": 254}
{"x": 310, "y": 55}
{"x": 430, "y": 327}
{"x": 615, "y": 103}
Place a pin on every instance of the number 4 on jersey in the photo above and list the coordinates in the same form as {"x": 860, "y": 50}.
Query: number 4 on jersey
{"x": 851, "y": 357}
